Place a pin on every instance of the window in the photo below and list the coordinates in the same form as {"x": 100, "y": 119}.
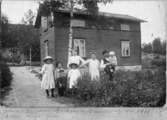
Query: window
{"x": 79, "y": 47}
{"x": 78, "y": 23}
{"x": 125, "y": 27}
{"x": 125, "y": 48}
{"x": 44, "y": 23}
{"x": 46, "y": 42}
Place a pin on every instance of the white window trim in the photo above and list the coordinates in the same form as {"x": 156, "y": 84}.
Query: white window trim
{"x": 78, "y": 23}
{"x": 125, "y": 27}
{"x": 84, "y": 46}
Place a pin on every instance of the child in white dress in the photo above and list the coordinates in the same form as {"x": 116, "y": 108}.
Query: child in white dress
{"x": 74, "y": 73}
{"x": 94, "y": 67}
{"x": 48, "y": 82}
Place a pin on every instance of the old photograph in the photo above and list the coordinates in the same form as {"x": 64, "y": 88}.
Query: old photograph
{"x": 82, "y": 53}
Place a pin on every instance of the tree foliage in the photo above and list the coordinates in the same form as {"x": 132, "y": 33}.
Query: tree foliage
{"x": 91, "y": 6}
{"x": 6, "y": 40}
{"x": 28, "y": 17}
{"x": 21, "y": 36}
{"x": 157, "y": 46}
{"x": 147, "y": 48}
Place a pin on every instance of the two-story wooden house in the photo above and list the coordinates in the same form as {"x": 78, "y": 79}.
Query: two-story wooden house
{"x": 116, "y": 32}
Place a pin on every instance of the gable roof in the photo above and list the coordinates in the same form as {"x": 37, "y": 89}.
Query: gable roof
{"x": 105, "y": 14}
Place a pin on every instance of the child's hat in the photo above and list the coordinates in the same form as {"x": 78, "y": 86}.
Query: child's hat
{"x": 48, "y": 58}
{"x": 111, "y": 53}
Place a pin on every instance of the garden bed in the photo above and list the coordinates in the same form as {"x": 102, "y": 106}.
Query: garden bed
{"x": 131, "y": 89}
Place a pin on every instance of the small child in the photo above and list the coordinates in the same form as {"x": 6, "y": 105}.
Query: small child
{"x": 112, "y": 64}
{"x": 112, "y": 58}
{"x": 73, "y": 74}
{"x": 94, "y": 67}
{"x": 48, "y": 82}
{"x": 61, "y": 79}
{"x": 59, "y": 70}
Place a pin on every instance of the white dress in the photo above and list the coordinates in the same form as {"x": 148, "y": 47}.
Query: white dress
{"x": 93, "y": 68}
{"x": 73, "y": 75}
{"x": 48, "y": 77}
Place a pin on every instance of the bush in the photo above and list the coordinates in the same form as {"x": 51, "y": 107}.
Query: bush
{"x": 144, "y": 89}
{"x": 6, "y": 75}
{"x": 159, "y": 62}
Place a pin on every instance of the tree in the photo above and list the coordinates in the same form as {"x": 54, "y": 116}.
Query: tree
{"x": 164, "y": 47}
{"x": 157, "y": 47}
{"x": 32, "y": 37}
{"x": 7, "y": 40}
{"x": 28, "y": 17}
{"x": 147, "y": 48}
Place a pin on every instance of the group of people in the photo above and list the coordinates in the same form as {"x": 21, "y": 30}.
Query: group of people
{"x": 52, "y": 77}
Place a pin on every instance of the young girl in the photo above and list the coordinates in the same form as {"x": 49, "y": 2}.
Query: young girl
{"x": 73, "y": 74}
{"x": 94, "y": 66}
{"x": 47, "y": 72}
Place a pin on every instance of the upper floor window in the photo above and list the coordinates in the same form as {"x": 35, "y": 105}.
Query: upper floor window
{"x": 125, "y": 27}
{"x": 125, "y": 48}
{"x": 46, "y": 22}
{"x": 46, "y": 45}
{"x": 77, "y": 23}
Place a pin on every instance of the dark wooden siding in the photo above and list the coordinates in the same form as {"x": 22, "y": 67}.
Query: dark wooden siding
{"x": 61, "y": 45}
{"x": 98, "y": 40}
{"x": 50, "y": 36}
{"x": 62, "y": 20}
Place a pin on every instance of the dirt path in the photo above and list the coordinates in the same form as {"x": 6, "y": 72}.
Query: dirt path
{"x": 26, "y": 92}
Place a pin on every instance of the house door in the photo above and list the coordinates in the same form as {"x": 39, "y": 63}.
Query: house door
{"x": 79, "y": 47}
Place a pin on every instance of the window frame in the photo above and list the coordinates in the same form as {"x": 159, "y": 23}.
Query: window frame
{"x": 125, "y": 40}
{"x": 124, "y": 29}
{"x": 79, "y": 21}
{"x": 46, "y": 46}
{"x": 84, "y": 45}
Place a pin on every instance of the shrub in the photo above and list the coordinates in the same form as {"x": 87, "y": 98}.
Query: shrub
{"x": 6, "y": 75}
{"x": 159, "y": 62}
{"x": 143, "y": 88}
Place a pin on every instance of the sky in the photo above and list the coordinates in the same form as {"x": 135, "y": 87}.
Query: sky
{"x": 154, "y": 12}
